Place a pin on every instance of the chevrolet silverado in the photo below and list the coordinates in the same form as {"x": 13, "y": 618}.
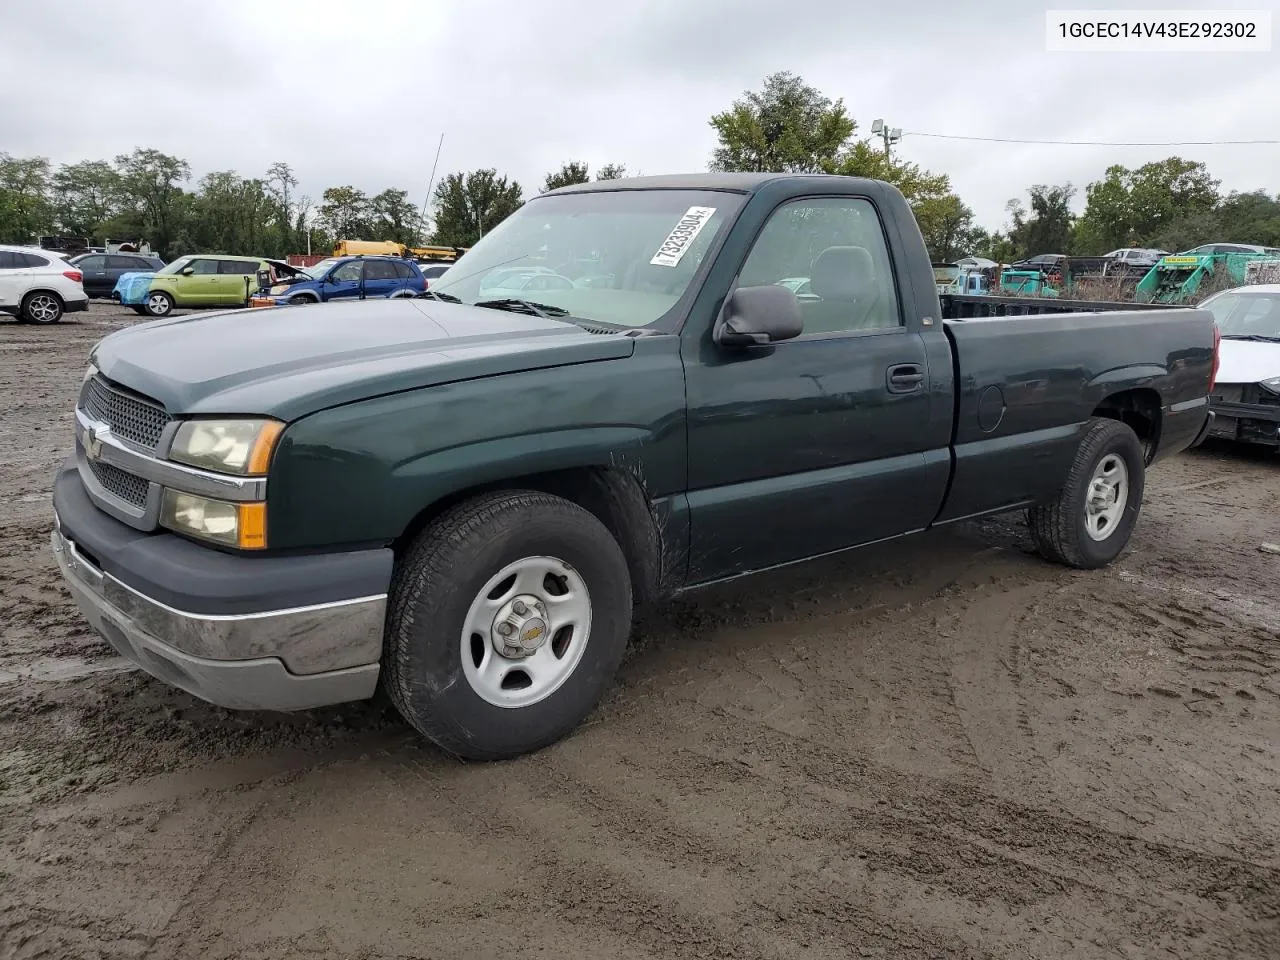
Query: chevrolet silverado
{"x": 459, "y": 499}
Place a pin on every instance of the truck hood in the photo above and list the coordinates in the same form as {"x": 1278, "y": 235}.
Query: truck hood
{"x": 1247, "y": 361}
{"x": 287, "y": 362}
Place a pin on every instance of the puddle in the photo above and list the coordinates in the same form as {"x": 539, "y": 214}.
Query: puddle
{"x": 62, "y": 669}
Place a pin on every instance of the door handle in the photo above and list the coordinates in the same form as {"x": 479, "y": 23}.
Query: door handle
{"x": 904, "y": 378}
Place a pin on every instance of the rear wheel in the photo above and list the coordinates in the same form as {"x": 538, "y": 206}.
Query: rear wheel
{"x": 509, "y": 617}
{"x": 159, "y": 304}
{"x": 1089, "y": 523}
{"x": 41, "y": 307}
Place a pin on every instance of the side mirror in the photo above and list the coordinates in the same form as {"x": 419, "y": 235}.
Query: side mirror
{"x": 754, "y": 316}
{"x": 188, "y": 271}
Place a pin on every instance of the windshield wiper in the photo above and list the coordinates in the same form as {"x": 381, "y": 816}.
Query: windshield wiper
{"x": 1255, "y": 337}
{"x": 442, "y": 297}
{"x": 544, "y": 310}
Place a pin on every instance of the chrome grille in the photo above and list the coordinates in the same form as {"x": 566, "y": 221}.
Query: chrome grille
{"x": 128, "y": 415}
{"x": 120, "y": 483}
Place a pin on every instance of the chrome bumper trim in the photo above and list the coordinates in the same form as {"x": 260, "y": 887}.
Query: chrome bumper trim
{"x": 302, "y": 640}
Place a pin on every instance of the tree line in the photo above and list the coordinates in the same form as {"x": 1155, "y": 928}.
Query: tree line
{"x": 785, "y": 126}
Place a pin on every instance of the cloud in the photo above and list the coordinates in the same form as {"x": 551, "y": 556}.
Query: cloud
{"x": 361, "y": 94}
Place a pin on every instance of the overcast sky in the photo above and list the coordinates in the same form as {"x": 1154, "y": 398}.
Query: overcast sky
{"x": 360, "y": 93}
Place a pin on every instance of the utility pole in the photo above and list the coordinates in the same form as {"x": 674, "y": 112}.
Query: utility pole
{"x": 890, "y": 135}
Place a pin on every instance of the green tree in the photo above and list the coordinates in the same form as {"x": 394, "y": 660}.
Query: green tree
{"x": 947, "y": 226}
{"x": 470, "y": 204}
{"x": 85, "y": 196}
{"x": 25, "y": 209}
{"x": 1132, "y": 207}
{"x": 281, "y": 184}
{"x": 150, "y": 184}
{"x": 393, "y": 217}
{"x": 787, "y": 126}
{"x": 233, "y": 215}
{"x": 569, "y": 173}
{"x": 1047, "y": 227}
{"x": 611, "y": 171}
{"x": 345, "y": 213}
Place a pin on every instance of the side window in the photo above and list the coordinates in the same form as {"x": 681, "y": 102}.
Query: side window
{"x": 237, "y": 268}
{"x": 128, "y": 264}
{"x": 33, "y": 260}
{"x": 8, "y": 260}
{"x": 348, "y": 272}
{"x": 380, "y": 270}
{"x": 204, "y": 268}
{"x": 94, "y": 263}
{"x": 404, "y": 271}
{"x": 837, "y": 245}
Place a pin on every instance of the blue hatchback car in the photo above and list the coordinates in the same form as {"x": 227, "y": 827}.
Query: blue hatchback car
{"x": 350, "y": 278}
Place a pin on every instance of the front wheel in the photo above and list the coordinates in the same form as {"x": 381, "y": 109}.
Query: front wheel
{"x": 1089, "y": 523}
{"x": 159, "y": 304}
{"x": 509, "y": 617}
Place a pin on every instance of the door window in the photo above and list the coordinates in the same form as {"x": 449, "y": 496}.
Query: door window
{"x": 838, "y": 245}
{"x": 379, "y": 270}
{"x": 348, "y": 272}
{"x": 204, "y": 268}
{"x": 94, "y": 263}
{"x": 237, "y": 268}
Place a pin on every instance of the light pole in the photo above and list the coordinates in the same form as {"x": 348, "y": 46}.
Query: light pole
{"x": 891, "y": 135}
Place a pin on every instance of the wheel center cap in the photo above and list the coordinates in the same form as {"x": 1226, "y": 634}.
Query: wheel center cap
{"x": 520, "y": 627}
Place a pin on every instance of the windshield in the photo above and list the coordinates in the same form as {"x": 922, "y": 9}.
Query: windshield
{"x": 622, "y": 257}
{"x": 175, "y": 267}
{"x": 318, "y": 270}
{"x": 1246, "y": 314}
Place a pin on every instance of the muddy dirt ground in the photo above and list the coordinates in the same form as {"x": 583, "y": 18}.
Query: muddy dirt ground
{"x": 943, "y": 748}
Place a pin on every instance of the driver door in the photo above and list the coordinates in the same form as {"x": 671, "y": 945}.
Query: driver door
{"x": 344, "y": 281}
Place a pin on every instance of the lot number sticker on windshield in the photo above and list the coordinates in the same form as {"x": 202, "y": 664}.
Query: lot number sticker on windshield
{"x": 682, "y": 236}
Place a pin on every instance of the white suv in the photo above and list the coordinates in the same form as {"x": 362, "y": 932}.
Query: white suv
{"x": 39, "y": 286}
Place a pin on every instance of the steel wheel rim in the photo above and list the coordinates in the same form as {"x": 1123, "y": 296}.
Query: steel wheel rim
{"x": 548, "y": 632}
{"x": 42, "y": 308}
{"x": 1106, "y": 497}
{"x": 158, "y": 303}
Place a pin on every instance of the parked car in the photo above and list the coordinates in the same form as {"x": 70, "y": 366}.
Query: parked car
{"x": 433, "y": 271}
{"x": 343, "y": 278}
{"x": 103, "y": 270}
{"x": 1246, "y": 398}
{"x": 39, "y": 286}
{"x": 517, "y": 281}
{"x": 195, "y": 282}
{"x": 462, "y": 500}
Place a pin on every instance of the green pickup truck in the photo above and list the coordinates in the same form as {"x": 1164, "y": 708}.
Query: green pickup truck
{"x": 461, "y": 498}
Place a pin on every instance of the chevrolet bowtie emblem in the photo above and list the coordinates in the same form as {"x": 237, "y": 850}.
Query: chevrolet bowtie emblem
{"x": 92, "y": 444}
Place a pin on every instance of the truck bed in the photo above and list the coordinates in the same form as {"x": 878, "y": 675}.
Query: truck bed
{"x": 1018, "y": 419}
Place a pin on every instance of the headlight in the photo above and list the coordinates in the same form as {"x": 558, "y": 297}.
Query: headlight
{"x": 1273, "y": 384}
{"x": 242, "y": 447}
{"x": 242, "y": 525}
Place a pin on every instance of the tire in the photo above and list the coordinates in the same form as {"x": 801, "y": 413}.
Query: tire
{"x": 441, "y": 674}
{"x": 159, "y": 304}
{"x": 42, "y": 307}
{"x": 1069, "y": 529}
{"x": 302, "y": 300}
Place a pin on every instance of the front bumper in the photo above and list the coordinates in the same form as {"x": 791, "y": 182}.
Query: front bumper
{"x": 228, "y": 629}
{"x": 1246, "y": 422}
